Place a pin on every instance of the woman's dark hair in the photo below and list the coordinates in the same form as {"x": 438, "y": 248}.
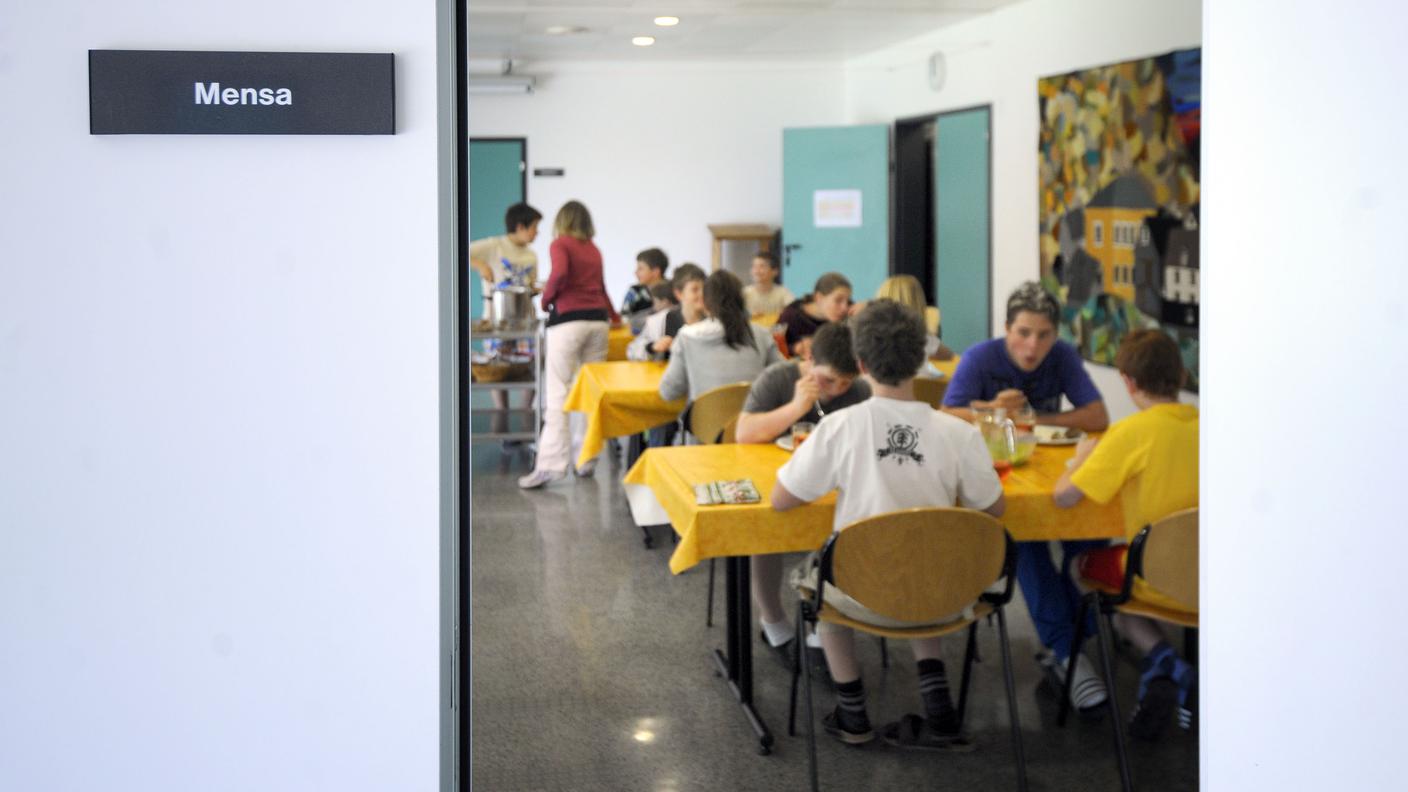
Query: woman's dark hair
{"x": 723, "y": 299}
{"x": 830, "y": 282}
{"x": 889, "y": 339}
{"x": 520, "y": 215}
{"x": 831, "y": 346}
{"x": 654, "y": 258}
{"x": 1153, "y": 361}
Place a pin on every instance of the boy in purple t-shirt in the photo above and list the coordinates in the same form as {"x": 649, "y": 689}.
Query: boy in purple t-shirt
{"x": 1030, "y": 366}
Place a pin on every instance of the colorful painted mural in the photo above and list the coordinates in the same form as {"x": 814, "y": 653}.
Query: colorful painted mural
{"x": 1120, "y": 191}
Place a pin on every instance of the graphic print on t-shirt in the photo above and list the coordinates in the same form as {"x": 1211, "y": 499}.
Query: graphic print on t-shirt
{"x": 903, "y": 440}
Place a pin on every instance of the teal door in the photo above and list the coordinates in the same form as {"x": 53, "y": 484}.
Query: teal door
{"x": 963, "y": 227}
{"x": 497, "y": 170}
{"x": 836, "y": 206}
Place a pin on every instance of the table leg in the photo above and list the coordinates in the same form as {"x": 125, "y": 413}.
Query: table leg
{"x": 737, "y": 666}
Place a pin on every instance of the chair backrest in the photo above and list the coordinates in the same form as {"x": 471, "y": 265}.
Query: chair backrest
{"x": 931, "y": 390}
{"x": 919, "y": 565}
{"x": 1165, "y": 555}
{"x": 931, "y": 319}
{"x": 730, "y": 431}
{"x": 714, "y": 408}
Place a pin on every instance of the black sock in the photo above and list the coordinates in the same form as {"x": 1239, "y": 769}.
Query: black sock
{"x": 850, "y": 706}
{"x": 933, "y": 688}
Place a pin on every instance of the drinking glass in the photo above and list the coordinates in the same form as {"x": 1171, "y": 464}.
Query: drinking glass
{"x": 1024, "y": 419}
{"x": 800, "y": 432}
{"x": 779, "y": 337}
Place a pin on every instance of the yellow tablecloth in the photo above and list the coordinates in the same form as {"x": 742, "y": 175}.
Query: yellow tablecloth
{"x": 616, "y": 342}
{"x": 619, "y": 398}
{"x": 716, "y": 531}
{"x": 946, "y": 366}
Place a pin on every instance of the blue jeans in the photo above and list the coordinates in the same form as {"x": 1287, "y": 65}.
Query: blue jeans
{"x": 1052, "y": 598}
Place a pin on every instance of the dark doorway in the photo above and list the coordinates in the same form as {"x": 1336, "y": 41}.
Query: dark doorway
{"x": 913, "y": 215}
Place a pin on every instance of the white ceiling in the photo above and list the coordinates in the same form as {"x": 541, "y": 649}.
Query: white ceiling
{"x": 749, "y": 30}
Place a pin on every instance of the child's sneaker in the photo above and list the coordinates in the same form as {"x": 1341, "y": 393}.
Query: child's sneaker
{"x": 847, "y": 727}
{"x": 1186, "y": 677}
{"x": 1154, "y": 709}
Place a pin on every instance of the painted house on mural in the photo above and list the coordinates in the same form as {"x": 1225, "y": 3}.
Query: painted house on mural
{"x": 1167, "y": 270}
{"x": 1113, "y": 219}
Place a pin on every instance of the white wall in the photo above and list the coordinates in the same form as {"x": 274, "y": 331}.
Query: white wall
{"x": 1304, "y": 684}
{"x": 218, "y": 405}
{"x": 996, "y": 59}
{"x": 658, "y": 152}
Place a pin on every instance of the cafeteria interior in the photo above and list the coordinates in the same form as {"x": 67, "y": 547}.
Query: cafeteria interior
{"x": 596, "y": 658}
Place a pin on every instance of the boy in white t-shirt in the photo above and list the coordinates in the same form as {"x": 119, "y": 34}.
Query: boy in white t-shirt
{"x": 888, "y": 453}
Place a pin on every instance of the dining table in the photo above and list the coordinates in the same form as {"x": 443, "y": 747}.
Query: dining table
{"x": 617, "y": 339}
{"x": 660, "y": 490}
{"x": 620, "y": 398}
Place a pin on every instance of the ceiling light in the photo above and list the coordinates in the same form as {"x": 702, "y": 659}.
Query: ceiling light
{"x": 667, "y": 21}
{"x": 565, "y": 30}
{"x": 520, "y": 84}
{"x": 643, "y": 41}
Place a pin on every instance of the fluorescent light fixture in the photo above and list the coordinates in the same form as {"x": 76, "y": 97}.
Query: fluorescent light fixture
{"x": 565, "y": 30}
{"x": 667, "y": 21}
{"x": 643, "y": 41}
{"x": 506, "y": 84}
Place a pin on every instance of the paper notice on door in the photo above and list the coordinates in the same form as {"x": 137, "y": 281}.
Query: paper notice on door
{"x": 836, "y": 208}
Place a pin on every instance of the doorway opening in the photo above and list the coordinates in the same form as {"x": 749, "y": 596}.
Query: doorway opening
{"x": 942, "y": 222}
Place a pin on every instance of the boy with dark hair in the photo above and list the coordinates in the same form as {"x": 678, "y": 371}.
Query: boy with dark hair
{"x": 1152, "y": 458}
{"x": 765, "y": 295}
{"x": 1031, "y": 366}
{"x": 888, "y": 453}
{"x": 662, "y": 297}
{"x": 802, "y": 389}
{"x": 659, "y": 330}
{"x": 650, "y": 270}
{"x": 508, "y": 260}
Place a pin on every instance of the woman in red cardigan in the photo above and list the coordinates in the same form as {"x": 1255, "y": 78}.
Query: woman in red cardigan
{"x": 579, "y": 315}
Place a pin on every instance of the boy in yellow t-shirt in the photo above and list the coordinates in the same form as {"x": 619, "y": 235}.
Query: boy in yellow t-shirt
{"x": 1151, "y": 458}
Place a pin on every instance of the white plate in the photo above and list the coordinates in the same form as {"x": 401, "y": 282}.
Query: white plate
{"x": 1044, "y": 435}
{"x": 784, "y": 442}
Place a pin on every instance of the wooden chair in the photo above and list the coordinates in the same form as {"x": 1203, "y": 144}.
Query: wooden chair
{"x": 1164, "y": 555}
{"x": 931, "y": 390}
{"x": 917, "y": 565}
{"x": 713, "y": 418}
{"x": 931, "y": 319}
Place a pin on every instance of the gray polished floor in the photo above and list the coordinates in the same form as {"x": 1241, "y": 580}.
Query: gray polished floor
{"x": 591, "y": 671}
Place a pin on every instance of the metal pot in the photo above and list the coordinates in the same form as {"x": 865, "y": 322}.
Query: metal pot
{"x": 513, "y": 308}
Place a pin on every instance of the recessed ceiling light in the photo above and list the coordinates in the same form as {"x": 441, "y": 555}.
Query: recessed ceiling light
{"x": 667, "y": 21}
{"x": 643, "y": 41}
{"x": 565, "y": 30}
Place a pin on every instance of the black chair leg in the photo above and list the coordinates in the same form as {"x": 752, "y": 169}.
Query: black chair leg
{"x": 811, "y": 716}
{"x": 884, "y": 654}
{"x": 1065, "y": 707}
{"x": 1017, "y": 751}
{"x": 798, "y": 640}
{"x": 709, "y": 617}
{"x": 968, "y": 655}
{"x": 1105, "y": 626}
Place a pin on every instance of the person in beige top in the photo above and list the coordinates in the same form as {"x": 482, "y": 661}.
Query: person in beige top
{"x": 508, "y": 259}
{"x": 765, "y": 295}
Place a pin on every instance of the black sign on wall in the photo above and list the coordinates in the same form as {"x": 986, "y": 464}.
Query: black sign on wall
{"x": 157, "y": 92}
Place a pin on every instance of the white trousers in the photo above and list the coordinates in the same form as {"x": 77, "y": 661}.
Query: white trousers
{"x": 568, "y": 346}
